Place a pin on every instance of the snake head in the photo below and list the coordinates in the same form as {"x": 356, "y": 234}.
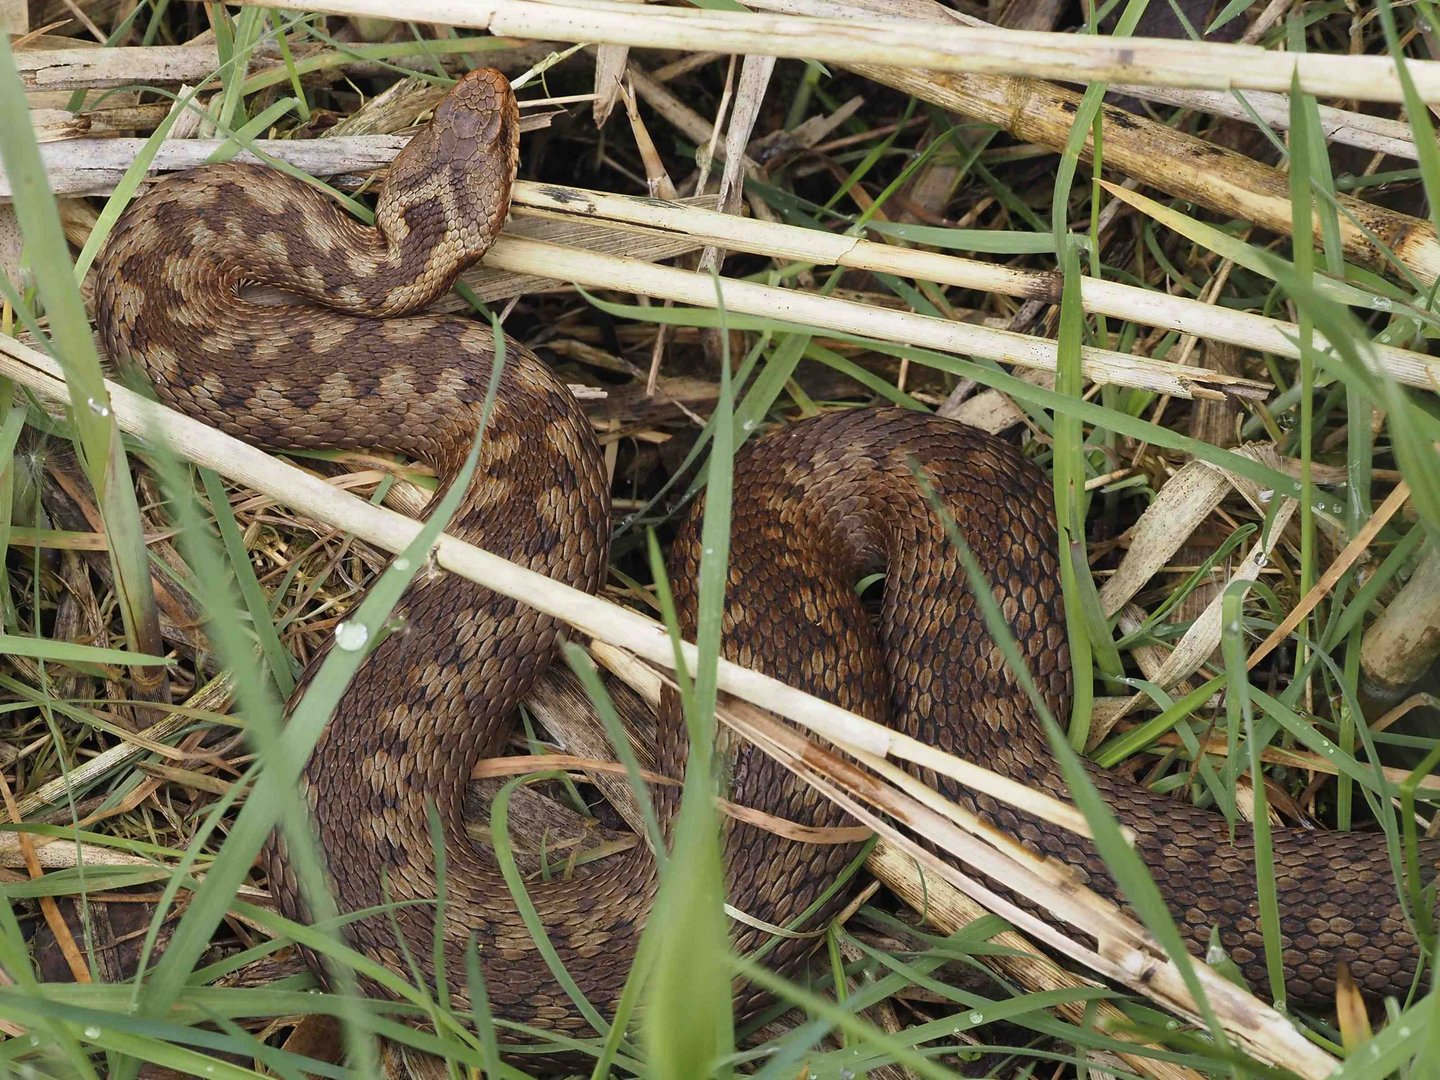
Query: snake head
{"x": 453, "y": 179}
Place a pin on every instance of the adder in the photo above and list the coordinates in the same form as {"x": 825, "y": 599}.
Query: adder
{"x": 354, "y": 363}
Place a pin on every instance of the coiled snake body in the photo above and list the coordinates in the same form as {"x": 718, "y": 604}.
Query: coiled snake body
{"x": 351, "y": 366}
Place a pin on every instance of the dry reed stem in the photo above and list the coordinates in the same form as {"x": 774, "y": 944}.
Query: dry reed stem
{"x": 1333, "y": 573}
{"x": 1377, "y": 133}
{"x": 1340, "y": 125}
{"x": 79, "y": 69}
{"x": 1219, "y": 746}
{"x": 849, "y": 317}
{"x": 62, "y": 853}
{"x": 948, "y": 909}
{"x": 1182, "y": 165}
{"x": 867, "y": 38}
{"x": 1405, "y": 639}
{"x": 46, "y": 71}
{"x": 79, "y": 167}
{"x": 95, "y": 166}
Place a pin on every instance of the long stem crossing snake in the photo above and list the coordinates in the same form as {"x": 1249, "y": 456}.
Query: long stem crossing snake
{"x": 354, "y": 365}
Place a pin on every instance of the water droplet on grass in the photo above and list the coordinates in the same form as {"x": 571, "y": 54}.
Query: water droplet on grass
{"x": 351, "y": 636}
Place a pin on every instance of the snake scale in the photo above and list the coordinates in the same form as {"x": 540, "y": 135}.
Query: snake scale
{"x": 354, "y": 364}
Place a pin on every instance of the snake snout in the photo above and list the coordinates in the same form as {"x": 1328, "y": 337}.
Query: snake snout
{"x": 477, "y": 117}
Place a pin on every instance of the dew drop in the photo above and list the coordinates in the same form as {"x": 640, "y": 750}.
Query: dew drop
{"x": 1381, "y": 303}
{"x": 351, "y": 636}
{"x": 1173, "y": 1025}
{"x": 749, "y": 425}
{"x": 1266, "y": 494}
{"x": 92, "y": 1032}
{"x": 977, "y": 1018}
{"x": 401, "y": 563}
{"x": 98, "y": 408}
{"x": 1403, "y": 1031}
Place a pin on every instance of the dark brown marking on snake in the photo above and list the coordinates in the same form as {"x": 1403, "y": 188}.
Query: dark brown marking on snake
{"x": 816, "y": 506}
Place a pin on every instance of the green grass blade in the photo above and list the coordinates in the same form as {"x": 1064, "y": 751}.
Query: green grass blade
{"x": 97, "y": 436}
{"x": 584, "y": 668}
{"x": 278, "y": 662}
{"x": 505, "y": 857}
{"x": 1241, "y": 716}
{"x": 688, "y": 1019}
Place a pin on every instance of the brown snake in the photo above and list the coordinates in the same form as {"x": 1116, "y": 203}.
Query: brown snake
{"x": 353, "y": 366}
